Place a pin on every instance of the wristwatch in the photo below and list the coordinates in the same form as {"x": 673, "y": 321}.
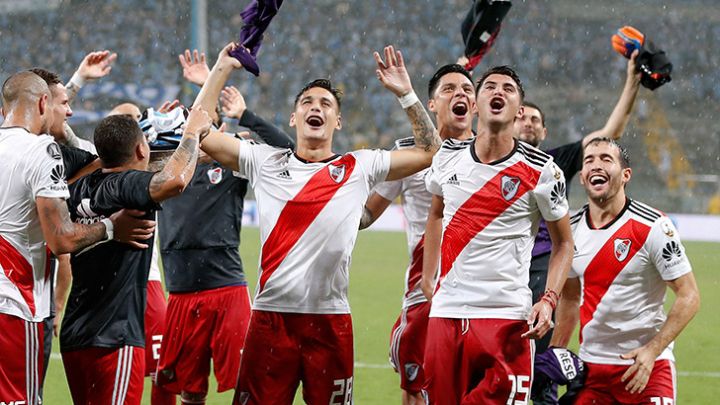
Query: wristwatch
{"x": 108, "y": 228}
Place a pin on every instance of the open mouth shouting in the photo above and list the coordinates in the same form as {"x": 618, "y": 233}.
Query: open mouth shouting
{"x": 496, "y": 105}
{"x": 315, "y": 121}
{"x": 460, "y": 108}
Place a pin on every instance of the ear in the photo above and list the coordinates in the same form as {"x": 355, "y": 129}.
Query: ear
{"x": 292, "y": 120}
{"x": 626, "y": 175}
{"x": 339, "y": 122}
{"x": 140, "y": 152}
{"x": 431, "y": 105}
{"x": 544, "y": 134}
{"x": 474, "y": 108}
{"x": 520, "y": 113}
{"x": 43, "y": 104}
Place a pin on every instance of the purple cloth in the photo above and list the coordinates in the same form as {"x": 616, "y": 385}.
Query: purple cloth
{"x": 561, "y": 365}
{"x": 543, "y": 244}
{"x": 557, "y": 366}
{"x": 256, "y": 16}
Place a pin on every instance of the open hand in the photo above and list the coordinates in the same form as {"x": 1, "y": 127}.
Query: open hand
{"x": 129, "y": 227}
{"x": 195, "y": 68}
{"x": 391, "y": 72}
{"x": 96, "y": 65}
{"x": 233, "y": 103}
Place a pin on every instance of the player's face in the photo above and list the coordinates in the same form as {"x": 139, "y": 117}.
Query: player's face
{"x": 529, "y": 127}
{"x": 498, "y": 101}
{"x": 59, "y": 110}
{"x": 316, "y": 116}
{"x": 602, "y": 174}
{"x": 454, "y": 103}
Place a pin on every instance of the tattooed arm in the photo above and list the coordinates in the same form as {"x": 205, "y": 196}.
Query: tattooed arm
{"x": 180, "y": 167}
{"x": 394, "y": 77}
{"x": 64, "y": 236}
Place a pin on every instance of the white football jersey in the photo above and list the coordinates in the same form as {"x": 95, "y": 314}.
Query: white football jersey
{"x": 154, "y": 274}
{"x": 416, "y": 204}
{"x": 309, "y": 216}
{"x": 490, "y": 219}
{"x": 31, "y": 167}
{"x": 623, "y": 268}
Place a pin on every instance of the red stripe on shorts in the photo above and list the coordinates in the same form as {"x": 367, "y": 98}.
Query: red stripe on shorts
{"x": 606, "y": 265}
{"x": 481, "y": 209}
{"x": 19, "y": 271}
{"x": 299, "y": 213}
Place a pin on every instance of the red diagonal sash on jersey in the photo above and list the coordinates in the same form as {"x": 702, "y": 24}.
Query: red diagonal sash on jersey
{"x": 481, "y": 209}
{"x": 606, "y": 265}
{"x": 300, "y": 212}
{"x": 19, "y": 271}
{"x": 415, "y": 273}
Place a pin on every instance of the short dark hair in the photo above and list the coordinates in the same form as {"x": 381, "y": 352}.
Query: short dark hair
{"x": 115, "y": 139}
{"x": 624, "y": 156}
{"x": 535, "y": 106}
{"x": 324, "y": 84}
{"x": 502, "y": 70}
{"x": 452, "y": 68}
{"x": 51, "y": 78}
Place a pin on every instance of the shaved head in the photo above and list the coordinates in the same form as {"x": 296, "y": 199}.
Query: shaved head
{"x": 127, "y": 109}
{"x": 23, "y": 87}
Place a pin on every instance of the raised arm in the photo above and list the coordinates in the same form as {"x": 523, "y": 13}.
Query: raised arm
{"x": 431, "y": 250}
{"x": 180, "y": 167}
{"x": 224, "y": 66}
{"x": 233, "y": 106}
{"x": 221, "y": 148}
{"x": 93, "y": 66}
{"x": 618, "y": 120}
{"x": 392, "y": 74}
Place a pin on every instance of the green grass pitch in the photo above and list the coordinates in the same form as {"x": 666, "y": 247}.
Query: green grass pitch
{"x": 376, "y": 282}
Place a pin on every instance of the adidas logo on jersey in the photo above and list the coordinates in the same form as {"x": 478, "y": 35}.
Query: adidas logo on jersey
{"x": 285, "y": 175}
{"x": 453, "y": 180}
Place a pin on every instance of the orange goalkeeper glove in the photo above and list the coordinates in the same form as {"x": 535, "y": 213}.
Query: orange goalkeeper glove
{"x": 627, "y": 40}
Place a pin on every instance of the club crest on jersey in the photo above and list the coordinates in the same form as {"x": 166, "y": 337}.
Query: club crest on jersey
{"x": 411, "y": 371}
{"x": 215, "y": 175}
{"x": 510, "y": 186}
{"x": 622, "y": 248}
{"x": 337, "y": 173}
